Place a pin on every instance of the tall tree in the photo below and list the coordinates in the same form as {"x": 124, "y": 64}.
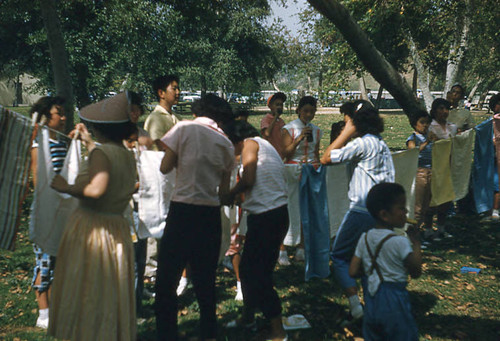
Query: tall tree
{"x": 59, "y": 58}
{"x": 368, "y": 54}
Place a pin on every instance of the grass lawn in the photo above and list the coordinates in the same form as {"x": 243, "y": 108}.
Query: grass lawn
{"x": 448, "y": 305}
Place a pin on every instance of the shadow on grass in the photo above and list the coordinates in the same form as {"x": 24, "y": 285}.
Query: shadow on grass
{"x": 459, "y": 327}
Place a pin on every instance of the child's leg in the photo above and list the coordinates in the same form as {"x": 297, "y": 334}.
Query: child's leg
{"x": 43, "y": 276}
{"x": 353, "y": 225}
{"x": 496, "y": 205}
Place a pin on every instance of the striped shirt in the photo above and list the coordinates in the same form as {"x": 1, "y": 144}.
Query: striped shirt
{"x": 269, "y": 190}
{"x": 372, "y": 163}
{"x": 58, "y": 151}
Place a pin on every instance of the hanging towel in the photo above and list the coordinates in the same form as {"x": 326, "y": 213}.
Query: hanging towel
{"x": 155, "y": 192}
{"x": 15, "y": 144}
{"x": 337, "y": 184}
{"x": 314, "y": 217}
{"x": 461, "y": 162}
{"x": 484, "y": 168}
{"x": 50, "y": 209}
{"x": 229, "y": 217}
{"x": 441, "y": 185}
{"x": 405, "y": 167}
{"x": 293, "y": 171}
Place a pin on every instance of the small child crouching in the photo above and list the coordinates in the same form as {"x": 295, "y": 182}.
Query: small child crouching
{"x": 386, "y": 260}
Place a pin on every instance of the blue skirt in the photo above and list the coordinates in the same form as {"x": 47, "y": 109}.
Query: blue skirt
{"x": 387, "y": 315}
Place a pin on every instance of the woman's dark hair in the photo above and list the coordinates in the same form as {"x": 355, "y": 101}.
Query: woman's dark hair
{"x": 368, "y": 121}
{"x": 43, "y": 106}
{"x": 213, "y": 107}
{"x": 239, "y": 130}
{"x": 136, "y": 99}
{"x": 437, "y": 103}
{"x": 115, "y": 132}
{"x": 418, "y": 115}
{"x": 494, "y": 100}
{"x": 307, "y": 100}
{"x": 242, "y": 113}
{"x": 348, "y": 109}
{"x": 383, "y": 196}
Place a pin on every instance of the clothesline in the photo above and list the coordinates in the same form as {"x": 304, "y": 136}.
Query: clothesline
{"x": 22, "y": 117}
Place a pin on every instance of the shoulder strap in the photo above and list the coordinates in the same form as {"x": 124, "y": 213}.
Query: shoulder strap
{"x": 374, "y": 256}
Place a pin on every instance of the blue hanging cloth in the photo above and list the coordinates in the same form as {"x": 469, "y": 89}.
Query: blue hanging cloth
{"x": 314, "y": 218}
{"x": 483, "y": 173}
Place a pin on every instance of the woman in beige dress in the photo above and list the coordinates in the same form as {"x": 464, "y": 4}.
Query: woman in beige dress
{"x": 93, "y": 290}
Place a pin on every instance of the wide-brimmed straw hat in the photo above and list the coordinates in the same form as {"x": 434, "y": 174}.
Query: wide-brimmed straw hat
{"x": 115, "y": 109}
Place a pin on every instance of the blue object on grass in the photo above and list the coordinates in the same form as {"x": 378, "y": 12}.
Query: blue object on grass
{"x": 466, "y": 269}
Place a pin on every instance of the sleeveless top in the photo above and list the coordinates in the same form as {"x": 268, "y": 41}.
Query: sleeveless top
{"x": 269, "y": 190}
{"x": 122, "y": 179}
{"x": 304, "y": 153}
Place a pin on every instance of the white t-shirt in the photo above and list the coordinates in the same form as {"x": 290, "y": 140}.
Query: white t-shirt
{"x": 390, "y": 259}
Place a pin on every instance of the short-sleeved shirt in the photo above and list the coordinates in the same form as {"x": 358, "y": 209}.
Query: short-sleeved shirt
{"x": 371, "y": 161}
{"x": 425, "y": 155}
{"x": 449, "y": 131}
{"x": 305, "y": 149}
{"x": 204, "y": 153}
{"x": 159, "y": 122}
{"x": 275, "y": 134}
{"x": 461, "y": 117}
{"x": 390, "y": 259}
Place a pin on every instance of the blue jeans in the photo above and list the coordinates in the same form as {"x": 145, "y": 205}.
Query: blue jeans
{"x": 344, "y": 245}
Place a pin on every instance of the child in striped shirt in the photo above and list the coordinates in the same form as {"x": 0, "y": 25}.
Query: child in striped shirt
{"x": 50, "y": 112}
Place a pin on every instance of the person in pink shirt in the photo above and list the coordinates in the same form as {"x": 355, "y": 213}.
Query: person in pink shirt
{"x": 203, "y": 158}
{"x": 272, "y": 123}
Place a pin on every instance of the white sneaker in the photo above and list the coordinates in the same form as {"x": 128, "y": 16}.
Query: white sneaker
{"x": 42, "y": 323}
{"x": 300, "y": 255}
{"x": 183, "y": 283}
{"x": 283, "y": 259}
{"x": 357, "y": 312}
{"x": 239, "y": 293}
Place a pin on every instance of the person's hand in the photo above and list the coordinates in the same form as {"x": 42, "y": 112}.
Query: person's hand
{"x": 59, "y": 184}
{"x": 413, "y": 233}
{"x": 349, "y": 128}
{"x": 431, "y": 137}
{"x": 306, "y": 132}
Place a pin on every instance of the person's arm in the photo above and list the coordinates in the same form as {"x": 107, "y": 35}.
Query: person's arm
{"x": 347, "y": 133}
{"x": 99, "y": 167}
{"x": 249, "y": 158}
{"x": 169, "y": 161}
{"x": 289, "y": 144}
{"x": 356, "y": 267}
{"x": 34, "y": 165}
{"x": 267, "y": 131}
{"x": 411, "y": 145}
{"x": 413, "y": 262}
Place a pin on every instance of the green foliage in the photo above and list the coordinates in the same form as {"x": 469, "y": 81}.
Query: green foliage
{"x": 116, "y": 44}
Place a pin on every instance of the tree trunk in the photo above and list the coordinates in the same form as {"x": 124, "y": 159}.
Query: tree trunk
{"x": 414, "y": 80}
{"x": 275, "y": 86}
{"x": 203, "y": 86}
{"x": 423, "y": 78}
{"x": 58, "y": 58}
{"x": 362, "y": 89}
{"x": 457, "y": 51}
{"x": 379, "y": 97}
{"x": 470, "y": 97}
{"x": 372, "y": 59}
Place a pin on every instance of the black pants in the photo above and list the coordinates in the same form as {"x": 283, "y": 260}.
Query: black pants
{"x": 140, "y": 250}
{"x": 265, "y": 234}
{"x": 192, "y": 235}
